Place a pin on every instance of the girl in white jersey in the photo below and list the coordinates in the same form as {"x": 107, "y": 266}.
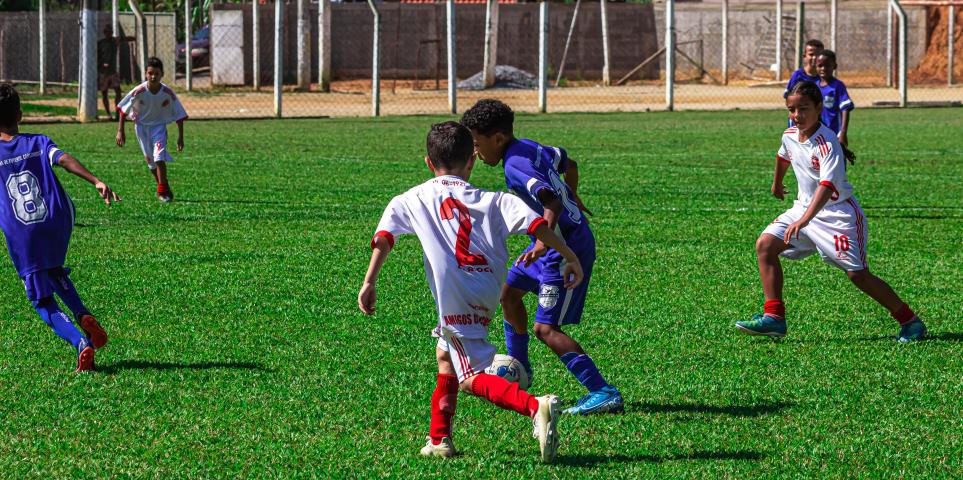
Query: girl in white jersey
{"x": 824, "y": 218}
{"x": 462, "y": 230}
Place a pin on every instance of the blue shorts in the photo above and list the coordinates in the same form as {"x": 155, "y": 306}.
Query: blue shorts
{"x": 40, "y": 284}
{"x": 557, "y": 305}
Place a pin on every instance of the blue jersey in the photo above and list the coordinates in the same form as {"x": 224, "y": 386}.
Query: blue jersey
{"x": 531, "y": 168}
{"x": 38, "y": 217}
{"x": 799, "y": 76}
{"x": 835, "y": 101}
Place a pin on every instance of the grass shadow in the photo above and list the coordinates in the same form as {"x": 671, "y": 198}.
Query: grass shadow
{"x": 930, "y": 337}
{"x": 589, "y": 461}
{"x": 117, "y": 367}
{"x": 756, "y": 410}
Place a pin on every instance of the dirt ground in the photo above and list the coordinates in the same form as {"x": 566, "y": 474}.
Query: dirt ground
{"x": 355, "y": 101}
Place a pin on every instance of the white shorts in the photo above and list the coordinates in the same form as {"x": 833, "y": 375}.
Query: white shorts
{"x": 153, "y": 142}
{"x": 838, "y": 233}
{"x": 470, "y": 356}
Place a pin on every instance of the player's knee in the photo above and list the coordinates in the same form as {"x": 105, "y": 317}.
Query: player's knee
{"x": 466, "y": 386}
{"x": 859, "y": 277}
{"x": 766, "y": 245}
{"x": 445, "y": 367}
{"x": 544, "y": 332}
{"x": 511, "y": 296}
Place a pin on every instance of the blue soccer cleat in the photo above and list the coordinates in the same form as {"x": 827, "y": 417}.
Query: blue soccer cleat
{"x": 605, "y": 400}
{"x": 763, "y": 325}
{"x": 912, "y": 332}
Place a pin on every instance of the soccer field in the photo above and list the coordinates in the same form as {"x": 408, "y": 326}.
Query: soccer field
{"x": 237, "y": 348}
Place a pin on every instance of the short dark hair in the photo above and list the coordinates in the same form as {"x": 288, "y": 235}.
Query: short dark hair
{"x": 489, "y": 116}
{"x": 450, "y": 145}
{"x": 828, "y": 54}
{"x": 155, "y": 62}
{"x": 807, "y": 89}
{"x": 9, "y": 105}
{"x": 815, "y": 43}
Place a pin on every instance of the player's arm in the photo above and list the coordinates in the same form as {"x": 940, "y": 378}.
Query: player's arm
{"x": 552, "y": 208}
{"x": 823, "y": 194}
{"x": 778, "y": 189}
{"x": 571, "y": 179}
{"x": 180, "y": 135}
{"x": 573, "y": 268}
{"x": 121, "y": 135}
{"x": 74, "y": 166}
{"x": 381, "y": 247}
{"x": 843, "y": 127}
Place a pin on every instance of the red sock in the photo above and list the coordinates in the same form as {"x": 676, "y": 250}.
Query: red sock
{"x": 903, "y": 314}
{"x": 443, "y": 407}
{"x": 505, "y": 394}
{"x": 774, "y": 308}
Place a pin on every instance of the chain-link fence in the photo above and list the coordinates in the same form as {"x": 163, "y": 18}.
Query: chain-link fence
{"x": 304, "y": 58}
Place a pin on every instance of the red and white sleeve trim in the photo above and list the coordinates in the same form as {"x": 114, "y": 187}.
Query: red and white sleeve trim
{"x": 387, "y": 235}
{"x": 827, "y": 183}
{"x": 535, "y": 223}
{"x": 782, "y": 159}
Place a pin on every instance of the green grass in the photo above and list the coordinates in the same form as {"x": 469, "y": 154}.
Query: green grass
{"x": 237, "y": 348}
{"x": 41, "y": 110}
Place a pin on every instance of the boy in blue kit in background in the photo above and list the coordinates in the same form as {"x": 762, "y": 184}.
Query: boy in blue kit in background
{"x": 532, "y": 172}
{"x": 37, "y": 222}
{"x": 807, "y": 72}
{"x": 836, "y": 101}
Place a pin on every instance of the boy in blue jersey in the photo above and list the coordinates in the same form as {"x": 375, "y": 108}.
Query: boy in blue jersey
{"x": 37, "y": 222}
{"x": 807, "y": 72}
{"x": 836, "y": 101}
{"x": 533, "y": 172}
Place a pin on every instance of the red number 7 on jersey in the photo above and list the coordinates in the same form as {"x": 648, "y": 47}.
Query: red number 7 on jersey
{"x": 462, "y": 254}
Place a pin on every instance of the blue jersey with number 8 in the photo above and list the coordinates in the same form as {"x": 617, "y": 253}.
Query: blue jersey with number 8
{"x": 36, "y": 214}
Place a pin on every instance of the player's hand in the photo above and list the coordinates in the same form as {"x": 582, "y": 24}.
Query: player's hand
{"x": 106, "y": 193}
{"x": 581, "y": 206}
{"x": 793, "y": 231}
{"x": 535, "y": 253}
{"x": 366, "y": 298}
{"x": 573, "y": 275}
{"x": 121, "y": 138}
{"x": 180, "y": 144}
{"x": 779, "y": 191}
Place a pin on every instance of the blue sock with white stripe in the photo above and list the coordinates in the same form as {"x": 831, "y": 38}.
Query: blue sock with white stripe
{"x": 517, "y": 345}
{"x": 60, "y": 323}
{"x": 584, "y": 370}
{"x": 66, "y": 291}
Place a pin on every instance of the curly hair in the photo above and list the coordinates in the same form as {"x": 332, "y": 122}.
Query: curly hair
{"x": 9, "y": 105}
{"x": 489, "y": 116}
{"x": 449, "y": 145}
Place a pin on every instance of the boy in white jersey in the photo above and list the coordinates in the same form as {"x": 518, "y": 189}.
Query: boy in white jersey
{"x": 462, "y": 231}
{"x": 152, "y": 105}
{"x": 825, "y": 218}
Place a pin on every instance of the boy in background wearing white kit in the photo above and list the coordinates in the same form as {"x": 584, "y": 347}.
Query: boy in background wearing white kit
{"x": 151, "y": 106}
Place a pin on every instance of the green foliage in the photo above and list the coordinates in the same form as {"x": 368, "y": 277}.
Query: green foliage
{"x": 237, "y": 349}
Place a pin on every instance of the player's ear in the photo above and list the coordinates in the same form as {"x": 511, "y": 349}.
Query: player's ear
{"x": 431, "y": 167}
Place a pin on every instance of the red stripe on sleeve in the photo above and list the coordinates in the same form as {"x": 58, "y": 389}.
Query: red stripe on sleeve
{"x": 782, "y": 159}
{"x": 832, "y": 187}
{"x": 388, "y": 236}
{"x": 538, "y": 221}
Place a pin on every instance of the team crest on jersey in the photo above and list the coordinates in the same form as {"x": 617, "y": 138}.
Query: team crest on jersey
{"x": 548, "y": 296}
{"x": 815, "y": 162}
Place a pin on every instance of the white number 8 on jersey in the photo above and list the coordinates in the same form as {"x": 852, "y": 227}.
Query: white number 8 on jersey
{"x": 28, "y": 203}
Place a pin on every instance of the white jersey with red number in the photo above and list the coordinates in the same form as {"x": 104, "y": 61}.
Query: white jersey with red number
{"x": 151, "y": 109}
{"x": 817, "y": 161}
{"x": 462, "y": 230}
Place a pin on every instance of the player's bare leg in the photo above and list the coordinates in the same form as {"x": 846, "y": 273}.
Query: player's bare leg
{"x": 911, "y": 327}
{"x": 164, "y": 192}
{"x": 103, "y": 94}
{"x": 443, "y": 401}
{"x": 117, "y": 99}
{"x": 557, "y": 340}
{"x": 772, "y": 322}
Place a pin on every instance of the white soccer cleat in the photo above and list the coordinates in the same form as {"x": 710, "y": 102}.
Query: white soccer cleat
{"x": 546, "y": 426}
{"x": 444, "y": 449}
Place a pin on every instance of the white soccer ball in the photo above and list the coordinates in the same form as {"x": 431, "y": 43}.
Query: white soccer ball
{"x": 510, "y": 369}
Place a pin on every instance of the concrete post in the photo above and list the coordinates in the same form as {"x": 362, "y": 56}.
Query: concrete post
{"x": 606, "y": 79}
{"x": 376, "y": 62}
{"x": 141, "y": 38}
{"x": 324, "y": 45}
{"x": 452, "y": 65}
{"x": 725, "y": 42}
{"x": 43, "y": 46}
{"x": 800, "y": 27}
{"x": 278, "y": 54}
{"x": 88, "y": 64}
{"x": 543, "y": 56}
{"x": 889, "y": 44}
{"x": 256, "y": 44}
{"x": 901, "y": 50}
{"x": 188, "y": 58}
{"x": 491, "y": 43}
{"x": 304, "y": 46}
{"x": 778, "y": 40}
{"x": 669, "y": 54}
{"x": 833, "y": 22}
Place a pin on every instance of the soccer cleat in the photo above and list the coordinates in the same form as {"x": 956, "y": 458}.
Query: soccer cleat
{"x": 545, "y": 426}
{"x": 912, "y": 331}
{"x": 93, "y": 330}
{"x": 764, "y": 325}
{"x": 445, "y": 448}
{"x": 164, "y": 193}
{"x": 85, "y": 360}
{"x": 605, "y": 400}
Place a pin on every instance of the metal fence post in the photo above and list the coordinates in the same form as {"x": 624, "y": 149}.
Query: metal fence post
{"x": 141, "y": 37}
{"x": 543, "y": 56}
{"x": 833, "y": 19}
{"x": 188, "y": 47}
{"x": 490, "y": 57}
{"x": 725, "y": 42}
{"x": 606, "y": 79}
{"x": 800, "y": 26}
{"x": 669, "y": 54}
{"x": 88, "y": 64}
{"x": 324, "y": 45}
{"x": 951, "y": 27}
{"x": 902, "y": 50}
{"x": 255, "y": 45}
{"x": 452, "y": 77}
{"x": 778, "y": 40}
{"x": 278, "y": 54}
{"x": 304, "y": 46}
{"x": 376, "y": 62}
{"x": 889, "y": 44}
{"x": 43, "y": 47}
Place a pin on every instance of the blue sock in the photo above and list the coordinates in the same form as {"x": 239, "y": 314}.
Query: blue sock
{"x": 517, "y": 345}
{"x": 584, "y": 370}
{"x": 60, "y": 323}
{"x": 66, "y": 291}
